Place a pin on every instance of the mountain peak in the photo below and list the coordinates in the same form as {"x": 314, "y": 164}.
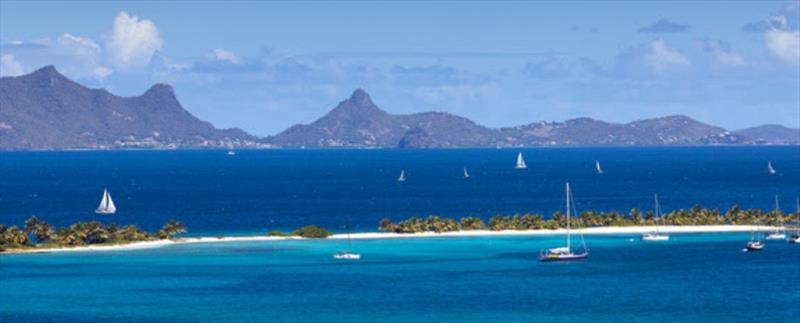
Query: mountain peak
{"x": 160, "y": 88}
{"x": 360, "y": 98}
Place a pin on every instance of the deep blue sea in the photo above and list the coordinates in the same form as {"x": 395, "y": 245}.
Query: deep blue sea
{"x": 258, "y": 190}
{"x": 693, "y": 277}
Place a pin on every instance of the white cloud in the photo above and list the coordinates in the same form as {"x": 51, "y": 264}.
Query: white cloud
{"x": 133, "y": 41}
{"x": 9, "y": 66}
{"x": 785, "y": 44}
{"x": 75, "y": 41}
{"x": 102, "y": 72}
{"x": 224, "y": 55}
{"x": 721, "y": 53}
{"x": 662, "y": 58}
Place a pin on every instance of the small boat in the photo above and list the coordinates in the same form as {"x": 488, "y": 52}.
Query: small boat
{"x": 754, "y": 244}
{"x": 520, "y": 162}
{"x": 347, "y": 254}
{"x": 777, "y": 234}
{"x": 402, "y": 177}
{"x": 231, "y": 153}
{"x": 565, "y": 253}
{"x": 597, "y": 166}
{"x": 466, "y": 175}
{"x": 770, "y": 169}
{"x": 106, "y": 204}
{"x": 655, "y": 235}
{"x": 795, "y": 238}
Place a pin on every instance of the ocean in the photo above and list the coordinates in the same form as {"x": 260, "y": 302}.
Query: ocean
{"x": 691, "y": 278}
{"x": 256, "y": 191}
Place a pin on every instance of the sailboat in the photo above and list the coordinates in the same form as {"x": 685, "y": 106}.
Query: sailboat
{"x": 521, "y": 162}
{"x": 777, "y": 234}
{"x": 402, "y": 177}
{"x": 655, "y": 235}
{"x": 597, "y": 166}
{"x": 565, "y": 253}
{"x": 347, "y": 254}
{"x": 106, "y": 204}
{"x": 770, "y": 169}
{"x": 754, "y": 244}
{"x": 795, "y": 238}
{"x": 231, "y": 153}
{"x": 466, "y": 175}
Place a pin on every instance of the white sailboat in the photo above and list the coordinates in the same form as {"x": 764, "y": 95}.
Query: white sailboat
{"x": 754, "y": 244}
{"x": 231, "y": 153}
{"x": 795, "y": 238}
{"x": 466, "y": 175}
{"x": 402, "y": 177}
{"x": 770, "y": 169}
{"x": 106, "y": 204}
{"x": 777, "y": 234}
{"x": 566, "y": 252}
{"x": 347, "y": 254}
{"x": 521, "y": 162}
{"x": 597, "y": 166}
{"x": 655, "y": 235}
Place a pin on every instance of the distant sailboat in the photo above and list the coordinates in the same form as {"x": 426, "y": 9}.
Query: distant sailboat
{"x": 466, "y": 175}
{"x": 231, "y": 153}
{"x": 106, "y": 204}
{"x": 777, "y": 234}
{"x": 597, "y": 166}
{"x": 795, "y": 238}
{"x": 402, "y": 177}
{"x": 521, "y": 162}
{"x": 655, "y": 235}
{"x": 565, "y": 253}
{"x": 347, "y": 254}
{"x": 770, "y": 169}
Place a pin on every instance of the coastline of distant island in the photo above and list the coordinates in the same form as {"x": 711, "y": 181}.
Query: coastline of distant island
{"x": 45, "y": 110}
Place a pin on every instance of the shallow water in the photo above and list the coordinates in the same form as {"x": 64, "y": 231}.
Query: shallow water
{"x": 690, "y": 278}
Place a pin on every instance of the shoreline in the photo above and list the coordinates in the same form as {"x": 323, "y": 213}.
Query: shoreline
{"x": 139, "y": 245}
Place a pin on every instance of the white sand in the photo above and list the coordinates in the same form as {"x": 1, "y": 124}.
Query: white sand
{"x": 387, "y": 235}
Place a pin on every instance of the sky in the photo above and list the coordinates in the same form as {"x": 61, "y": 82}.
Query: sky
{"x": 264, "y": 66}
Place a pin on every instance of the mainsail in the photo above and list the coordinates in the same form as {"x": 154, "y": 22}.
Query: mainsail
{"x": 106, "y": 204}
{"x": 770, "y": 169}
{"x": 597, "y": 166}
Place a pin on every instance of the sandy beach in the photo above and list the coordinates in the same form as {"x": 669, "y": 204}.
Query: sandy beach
{"x": 390, "y": 235}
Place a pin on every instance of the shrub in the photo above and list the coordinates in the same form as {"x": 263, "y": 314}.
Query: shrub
{"x": 312, "y": 231}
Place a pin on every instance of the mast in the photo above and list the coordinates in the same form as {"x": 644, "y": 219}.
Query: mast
{"x": 568, "y": 216}
{"x": 658, "y": 211}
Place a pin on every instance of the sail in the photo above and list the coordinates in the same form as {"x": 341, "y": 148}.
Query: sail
{"x": 402, "y": 177}
{"x": 110, "y": 207}
{"x": 106, "y": 204}
{"x": 466, "y": 175}
{"x": 597, "y": 166}
{"x": 103, "y": 201}
{"x": 770, "y": 168}
{"x": 521, "y": 162}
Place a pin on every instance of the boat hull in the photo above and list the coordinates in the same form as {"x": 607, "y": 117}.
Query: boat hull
{"x": 655, "y": 237}
{"x": 563, "y": 257}
{"x": 104, "y": 212}
{"x": 777, "y": 236}
{"x": 754, "y": 247}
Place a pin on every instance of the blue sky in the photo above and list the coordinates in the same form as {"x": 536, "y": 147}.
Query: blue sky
{"x": 263, "y": 66}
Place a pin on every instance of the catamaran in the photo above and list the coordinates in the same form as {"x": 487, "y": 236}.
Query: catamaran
{"x": 347, "y": 254}
{"x": 597, "y": 166}
{"x": 402, "y": 177}
{"x": 795, "y": 238}
{"x": 770, "y": 169}
{"x": 565, "y": 253}
{"x": 655, "y": 235}
{"x": 521, "y": 162}
{"x": 466, "y": 175}
{"x": 106, "y": 204}
{"x": 754, "y": 244}
{"x": 777, "y": 234}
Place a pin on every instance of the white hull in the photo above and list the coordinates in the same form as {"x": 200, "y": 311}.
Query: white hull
{"x": 654, "y": 237}
{"x": 776, "y": 236}
{"x": 347, "y": 256}
{"x": 795, "y": 239}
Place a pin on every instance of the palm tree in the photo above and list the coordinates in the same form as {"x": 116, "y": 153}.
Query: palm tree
{"x": 171, "y": 228}
{"x": 42, "y": 230}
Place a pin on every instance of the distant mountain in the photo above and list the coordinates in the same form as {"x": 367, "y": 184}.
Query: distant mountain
{"x": 358, "y": 122}
{"x": 46, "y": 110}
{"x": 771, "y": 133}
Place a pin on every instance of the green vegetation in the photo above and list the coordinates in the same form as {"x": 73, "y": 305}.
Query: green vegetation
{"x": 312, "y": 231}
{"x": 277, "y": 233}
{"x": 40, "y": 234}
{"x": 697, "y": 215}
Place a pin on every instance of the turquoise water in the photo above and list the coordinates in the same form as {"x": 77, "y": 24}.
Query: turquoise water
{"x": 690, "y": 278}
